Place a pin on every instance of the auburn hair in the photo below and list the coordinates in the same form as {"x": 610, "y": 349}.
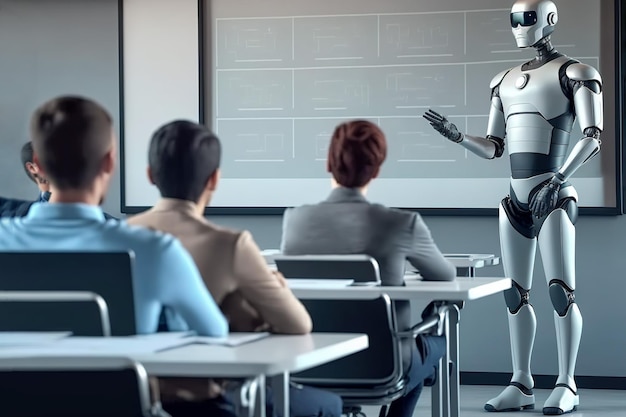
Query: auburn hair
{"x": 357, "y": 150}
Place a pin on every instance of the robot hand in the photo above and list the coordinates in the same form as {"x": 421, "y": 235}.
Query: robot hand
{"x": 544, "y": 201}
{"x": 443, "y": 126}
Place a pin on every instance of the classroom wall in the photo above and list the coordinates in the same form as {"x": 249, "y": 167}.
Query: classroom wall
{"x": 70, "y": 46}
{"x": 48, "y": 48}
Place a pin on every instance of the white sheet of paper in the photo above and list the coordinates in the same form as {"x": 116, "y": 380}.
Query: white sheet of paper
{"x": 317, "y": 283}
{"x": 233, "y": 339}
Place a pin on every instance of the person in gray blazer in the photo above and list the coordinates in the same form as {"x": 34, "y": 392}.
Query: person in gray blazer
{"x": 347, "y": 223}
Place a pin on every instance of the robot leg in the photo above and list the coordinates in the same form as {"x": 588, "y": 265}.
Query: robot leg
{"x": 518, "y": 257}
{"x": 557, "y": 246}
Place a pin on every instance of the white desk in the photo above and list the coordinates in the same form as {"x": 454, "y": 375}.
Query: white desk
{"x": 275, "y": 356}
{"x": 446, "y": 399}
{"x": 466, "y": 264}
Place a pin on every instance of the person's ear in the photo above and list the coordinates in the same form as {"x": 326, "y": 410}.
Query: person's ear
{"x": 150, "y": 177}
{"x": 32, "y": 168}
{"x": 108, "y": 162}
{"x": 214, "y": 179}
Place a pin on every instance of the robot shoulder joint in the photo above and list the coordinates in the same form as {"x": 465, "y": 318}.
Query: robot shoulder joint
{"x": 498, "y": 79}
{"x": 583, "y": 72}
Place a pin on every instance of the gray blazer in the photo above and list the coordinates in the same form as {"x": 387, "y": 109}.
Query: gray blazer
{"x": 346, "y": 223}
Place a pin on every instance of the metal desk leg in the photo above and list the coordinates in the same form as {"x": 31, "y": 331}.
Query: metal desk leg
{"x": 437, "y": 394}
{"x": 454, "y": 315}
{"x": 280, "y": 391}
{"x": 445, "y": 369}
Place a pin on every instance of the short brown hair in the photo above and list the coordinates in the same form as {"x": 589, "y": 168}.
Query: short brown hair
{"x": 71, "y": 135}
{"x": 356, "y": 152}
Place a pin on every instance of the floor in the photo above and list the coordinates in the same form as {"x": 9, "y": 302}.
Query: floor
{"x": 593, "y": 403}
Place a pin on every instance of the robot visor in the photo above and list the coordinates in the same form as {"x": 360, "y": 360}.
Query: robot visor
{"x": 523, "y": 18}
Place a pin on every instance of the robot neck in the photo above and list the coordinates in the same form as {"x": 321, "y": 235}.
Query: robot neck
{"x": 545, "y": 53}
{"x": 544, "y": 49}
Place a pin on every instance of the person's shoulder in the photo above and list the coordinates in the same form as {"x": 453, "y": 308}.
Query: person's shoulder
{"x": 393, "y": 213}
{"x": 139, "y": 237}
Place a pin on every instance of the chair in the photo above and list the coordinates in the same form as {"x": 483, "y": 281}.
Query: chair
{"x": 74, "y": 386}
{"x": 377, "y": 375}
{"x": 108, "y": 274}
{"x": 363, "y": 269}
{"x": 82, "y": 313}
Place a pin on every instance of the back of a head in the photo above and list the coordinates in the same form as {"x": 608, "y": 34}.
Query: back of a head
{"x": 71, "y": 136}
{"x": 356, "y": 152}
{"x": 26, "y": 155}
{"x": 182, "y": 156}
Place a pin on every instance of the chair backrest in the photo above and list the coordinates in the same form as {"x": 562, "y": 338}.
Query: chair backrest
{"x": 360, "y": 268}
{"x": 82, "y": 313}
{"x": 379, "y": 364}
{"x": 73, "y": 386}
{"x": 108, "y": 274}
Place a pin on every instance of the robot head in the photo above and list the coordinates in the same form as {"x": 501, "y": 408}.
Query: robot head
{"x": 532, "y": 20}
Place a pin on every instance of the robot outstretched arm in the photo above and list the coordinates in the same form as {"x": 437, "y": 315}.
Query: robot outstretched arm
{"x": 488, "y": 148}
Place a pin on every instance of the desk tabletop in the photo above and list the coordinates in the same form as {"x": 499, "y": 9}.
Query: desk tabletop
{"x": 269, "y": 356}
{"x": 462, "y": 289}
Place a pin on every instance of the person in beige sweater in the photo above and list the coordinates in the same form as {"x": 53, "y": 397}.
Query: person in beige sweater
{"x": 184, "y": 159}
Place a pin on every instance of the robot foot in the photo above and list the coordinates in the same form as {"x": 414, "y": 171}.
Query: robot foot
{"x": 562, "y": 400}
{"x": 515, "y": 397}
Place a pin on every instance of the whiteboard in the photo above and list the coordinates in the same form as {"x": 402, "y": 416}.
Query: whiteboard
{"x": 279, "y": 75}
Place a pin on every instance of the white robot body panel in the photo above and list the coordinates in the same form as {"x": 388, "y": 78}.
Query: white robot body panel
{"x": 518, "y": 252}
{"x": 538, "y": 88}
{"x": 497, "y": 125}
{"x": 528, "y": 131}
{"x": 588, "y": 106}
{"x": 522, "y": 187}
{"x": 557, "y": 243}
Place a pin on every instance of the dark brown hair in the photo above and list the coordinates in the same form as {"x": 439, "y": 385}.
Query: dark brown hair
{"x": 71, "y": 135}
{"x": 182, "y": 156}
{"x": 356, "y": 152}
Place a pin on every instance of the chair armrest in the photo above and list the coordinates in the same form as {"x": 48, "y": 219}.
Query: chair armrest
{"x": 435, "y": 320}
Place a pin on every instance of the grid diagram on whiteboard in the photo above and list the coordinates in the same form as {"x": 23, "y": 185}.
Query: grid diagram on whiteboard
{"x": 283, "y": 81}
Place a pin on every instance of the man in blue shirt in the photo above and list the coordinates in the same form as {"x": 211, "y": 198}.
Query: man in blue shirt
{"x": 75, "y": 150}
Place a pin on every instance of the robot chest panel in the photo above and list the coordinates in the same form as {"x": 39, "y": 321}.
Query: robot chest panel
{"x": 537, "y": 91}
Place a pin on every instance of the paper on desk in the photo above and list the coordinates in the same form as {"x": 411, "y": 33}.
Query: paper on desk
{"x": 233, "y": 339}
{"x": 14, "y": 339}
{"x": 306, "y": 283}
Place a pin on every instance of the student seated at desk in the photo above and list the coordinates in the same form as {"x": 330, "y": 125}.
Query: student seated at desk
{"x": 346, "y": 223}
{"x": 75, "y": 149}
{"x": 35, "y": 175}
{"x": 184, "y": 159}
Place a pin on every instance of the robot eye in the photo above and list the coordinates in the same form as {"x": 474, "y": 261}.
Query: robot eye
{"x": 523, "y": 18}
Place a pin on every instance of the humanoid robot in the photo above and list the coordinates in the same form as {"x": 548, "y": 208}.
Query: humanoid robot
{"x": 533, "y": 107}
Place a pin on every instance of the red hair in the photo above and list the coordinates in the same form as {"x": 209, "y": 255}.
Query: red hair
{"x": 356, "y": 152}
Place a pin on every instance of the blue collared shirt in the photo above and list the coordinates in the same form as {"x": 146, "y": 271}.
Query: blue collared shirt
{"x": 164, "y": 273}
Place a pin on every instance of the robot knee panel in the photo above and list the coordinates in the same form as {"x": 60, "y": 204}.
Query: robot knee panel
{"x": 515, "y": 297}
{"x": 562, "y": 296}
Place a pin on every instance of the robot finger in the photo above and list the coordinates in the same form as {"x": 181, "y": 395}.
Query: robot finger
{"x": 432, "y": 115}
